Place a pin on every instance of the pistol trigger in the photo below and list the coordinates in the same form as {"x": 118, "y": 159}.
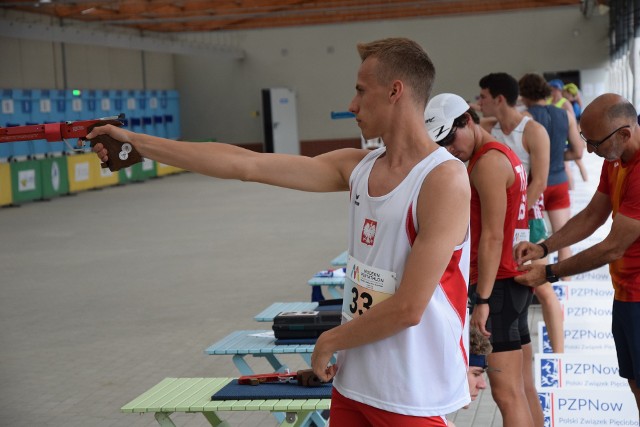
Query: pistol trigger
{"x": 72, "y": 149}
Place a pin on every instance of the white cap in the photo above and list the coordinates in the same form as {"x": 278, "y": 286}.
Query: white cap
{"x": 440, "y": 113}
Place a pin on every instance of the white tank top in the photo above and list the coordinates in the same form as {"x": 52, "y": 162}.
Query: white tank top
{"x": 514, "y": 141}
{"x": 420, "y": 371}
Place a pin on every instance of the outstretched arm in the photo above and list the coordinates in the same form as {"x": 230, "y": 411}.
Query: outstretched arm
{"x": 623, "y": 233}
{"x": 575, "y": 230}
{"x": 326, "y": 172}
{"x": 579, "y": 227}
{"x": 442, "y": 226}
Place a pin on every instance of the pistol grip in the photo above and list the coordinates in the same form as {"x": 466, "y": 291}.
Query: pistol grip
{"x": 307, "y": 378}
{"x": 121, "y": 154}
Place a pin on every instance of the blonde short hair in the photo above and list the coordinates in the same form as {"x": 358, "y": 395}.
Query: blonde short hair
{"x": 403, "y": 59}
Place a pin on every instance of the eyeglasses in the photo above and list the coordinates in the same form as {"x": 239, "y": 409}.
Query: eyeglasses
{"x": 449, "y": 139}
{"x": 596, "y": 144}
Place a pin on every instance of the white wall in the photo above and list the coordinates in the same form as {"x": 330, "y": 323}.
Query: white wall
{"x": 220, "y": 97}
{"x": 32, "y": 64}
{"x": 320, "y": 64}
{"x": 594, "y": 82}
{"x": 29, "y": 64}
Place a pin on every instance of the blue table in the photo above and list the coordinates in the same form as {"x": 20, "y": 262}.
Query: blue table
{"x": 270, "y": 312}
{"x": 240, "y": 344}
{"x": 340, "y": 260}
{"x": 335, "y": 285}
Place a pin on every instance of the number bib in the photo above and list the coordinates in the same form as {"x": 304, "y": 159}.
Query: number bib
{"x": 520, "y": 235}
{"x": 364, "y": 287}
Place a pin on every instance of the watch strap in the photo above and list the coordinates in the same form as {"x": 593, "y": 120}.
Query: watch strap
{"x": 545, "y": 249}
{"x": 480, "y": 300}
{"x": 551, "y": 276}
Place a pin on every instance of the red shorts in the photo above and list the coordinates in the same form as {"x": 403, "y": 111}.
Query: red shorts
{"x": 557, "y": 197}
{"x": 349, "y": 413}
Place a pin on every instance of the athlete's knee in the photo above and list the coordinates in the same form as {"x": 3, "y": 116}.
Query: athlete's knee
{"x": 507, "y": 393}
{"x": 508, "y": 383}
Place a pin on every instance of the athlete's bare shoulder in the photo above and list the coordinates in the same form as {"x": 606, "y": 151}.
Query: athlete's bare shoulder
{"x": 450, "y": 174}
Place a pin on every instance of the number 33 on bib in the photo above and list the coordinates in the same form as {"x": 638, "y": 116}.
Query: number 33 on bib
{"x": 364, "y": 287}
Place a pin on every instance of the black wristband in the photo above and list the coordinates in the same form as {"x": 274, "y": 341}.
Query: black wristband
{"x": 550, "y": 276}
{"x": 545, "y": 250}
{"x": 480, "y": 300}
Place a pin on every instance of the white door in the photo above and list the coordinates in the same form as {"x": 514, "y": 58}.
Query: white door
{"x": 280, "y": 121}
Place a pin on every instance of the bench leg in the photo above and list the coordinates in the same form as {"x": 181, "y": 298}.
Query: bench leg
{"x": 244, "y": 368}
{"x": 214, "y": 420}
{"x": 274, "y": 361}
{"x": 163, "y": 419}
{"x": 303, "y": 419}
{"x": 317, "y": 419}
{"x": 242, "y": 364}
{"x": 336, "y": 291}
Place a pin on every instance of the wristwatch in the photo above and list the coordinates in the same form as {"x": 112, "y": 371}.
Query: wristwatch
{"x": 545, "y": 250}
{"x": 479, "y": 300}
{"x": 551, "y": 276}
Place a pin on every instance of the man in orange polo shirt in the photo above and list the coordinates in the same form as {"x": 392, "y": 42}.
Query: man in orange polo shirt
{"x": 610, "y": 128}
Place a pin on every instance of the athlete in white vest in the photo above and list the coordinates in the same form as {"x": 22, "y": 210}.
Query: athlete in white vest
{"x": 530, "y": 141}
{"x": 382, "y": 231}
{"x": 402, "y": 355}
{"x": 514, "y": 140}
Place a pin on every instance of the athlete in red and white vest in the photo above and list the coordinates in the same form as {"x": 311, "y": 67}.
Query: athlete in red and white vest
{"x": 428, "y": 361}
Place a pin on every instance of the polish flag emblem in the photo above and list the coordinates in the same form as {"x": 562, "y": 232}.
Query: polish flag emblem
{"x": 369, "y": 232}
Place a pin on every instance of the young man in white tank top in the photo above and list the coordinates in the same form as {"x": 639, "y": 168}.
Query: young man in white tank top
{"x": 530, "y": 141}
{"x": 403, "y": 355}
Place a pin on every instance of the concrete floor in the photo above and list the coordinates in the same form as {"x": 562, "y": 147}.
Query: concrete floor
{"x": 105, "y": 293}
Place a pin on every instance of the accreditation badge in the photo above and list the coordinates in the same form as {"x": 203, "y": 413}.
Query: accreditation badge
{"x": 520, "y": 235}
{"x": 364, "y": 287}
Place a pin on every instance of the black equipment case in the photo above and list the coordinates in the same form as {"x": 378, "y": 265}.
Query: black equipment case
{"x": 305, "y": 324}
